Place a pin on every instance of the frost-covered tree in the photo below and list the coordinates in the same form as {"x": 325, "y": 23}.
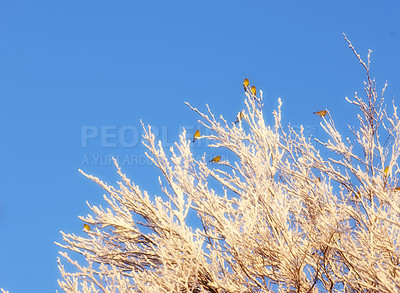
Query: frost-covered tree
{"x": 277, "y": 216}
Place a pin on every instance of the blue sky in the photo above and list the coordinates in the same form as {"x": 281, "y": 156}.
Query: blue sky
{"x": 77, "y": 76}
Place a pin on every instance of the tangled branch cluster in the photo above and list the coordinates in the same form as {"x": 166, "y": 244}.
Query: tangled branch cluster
{"x": 276, "y": 217}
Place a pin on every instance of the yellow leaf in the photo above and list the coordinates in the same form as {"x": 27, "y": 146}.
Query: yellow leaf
{"x": 386, "y": 171}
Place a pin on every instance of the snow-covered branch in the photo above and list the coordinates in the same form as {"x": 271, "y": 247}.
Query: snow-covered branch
{"x": 276, "y": 215}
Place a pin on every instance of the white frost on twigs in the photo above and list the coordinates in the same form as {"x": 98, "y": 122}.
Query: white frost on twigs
{"x": 275, "y": 215}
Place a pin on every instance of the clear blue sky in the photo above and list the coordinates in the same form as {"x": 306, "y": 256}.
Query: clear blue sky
{"x": 76, "y": 77}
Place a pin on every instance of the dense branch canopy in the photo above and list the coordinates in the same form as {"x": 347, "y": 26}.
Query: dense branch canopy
{"x": 276, "y": 216}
